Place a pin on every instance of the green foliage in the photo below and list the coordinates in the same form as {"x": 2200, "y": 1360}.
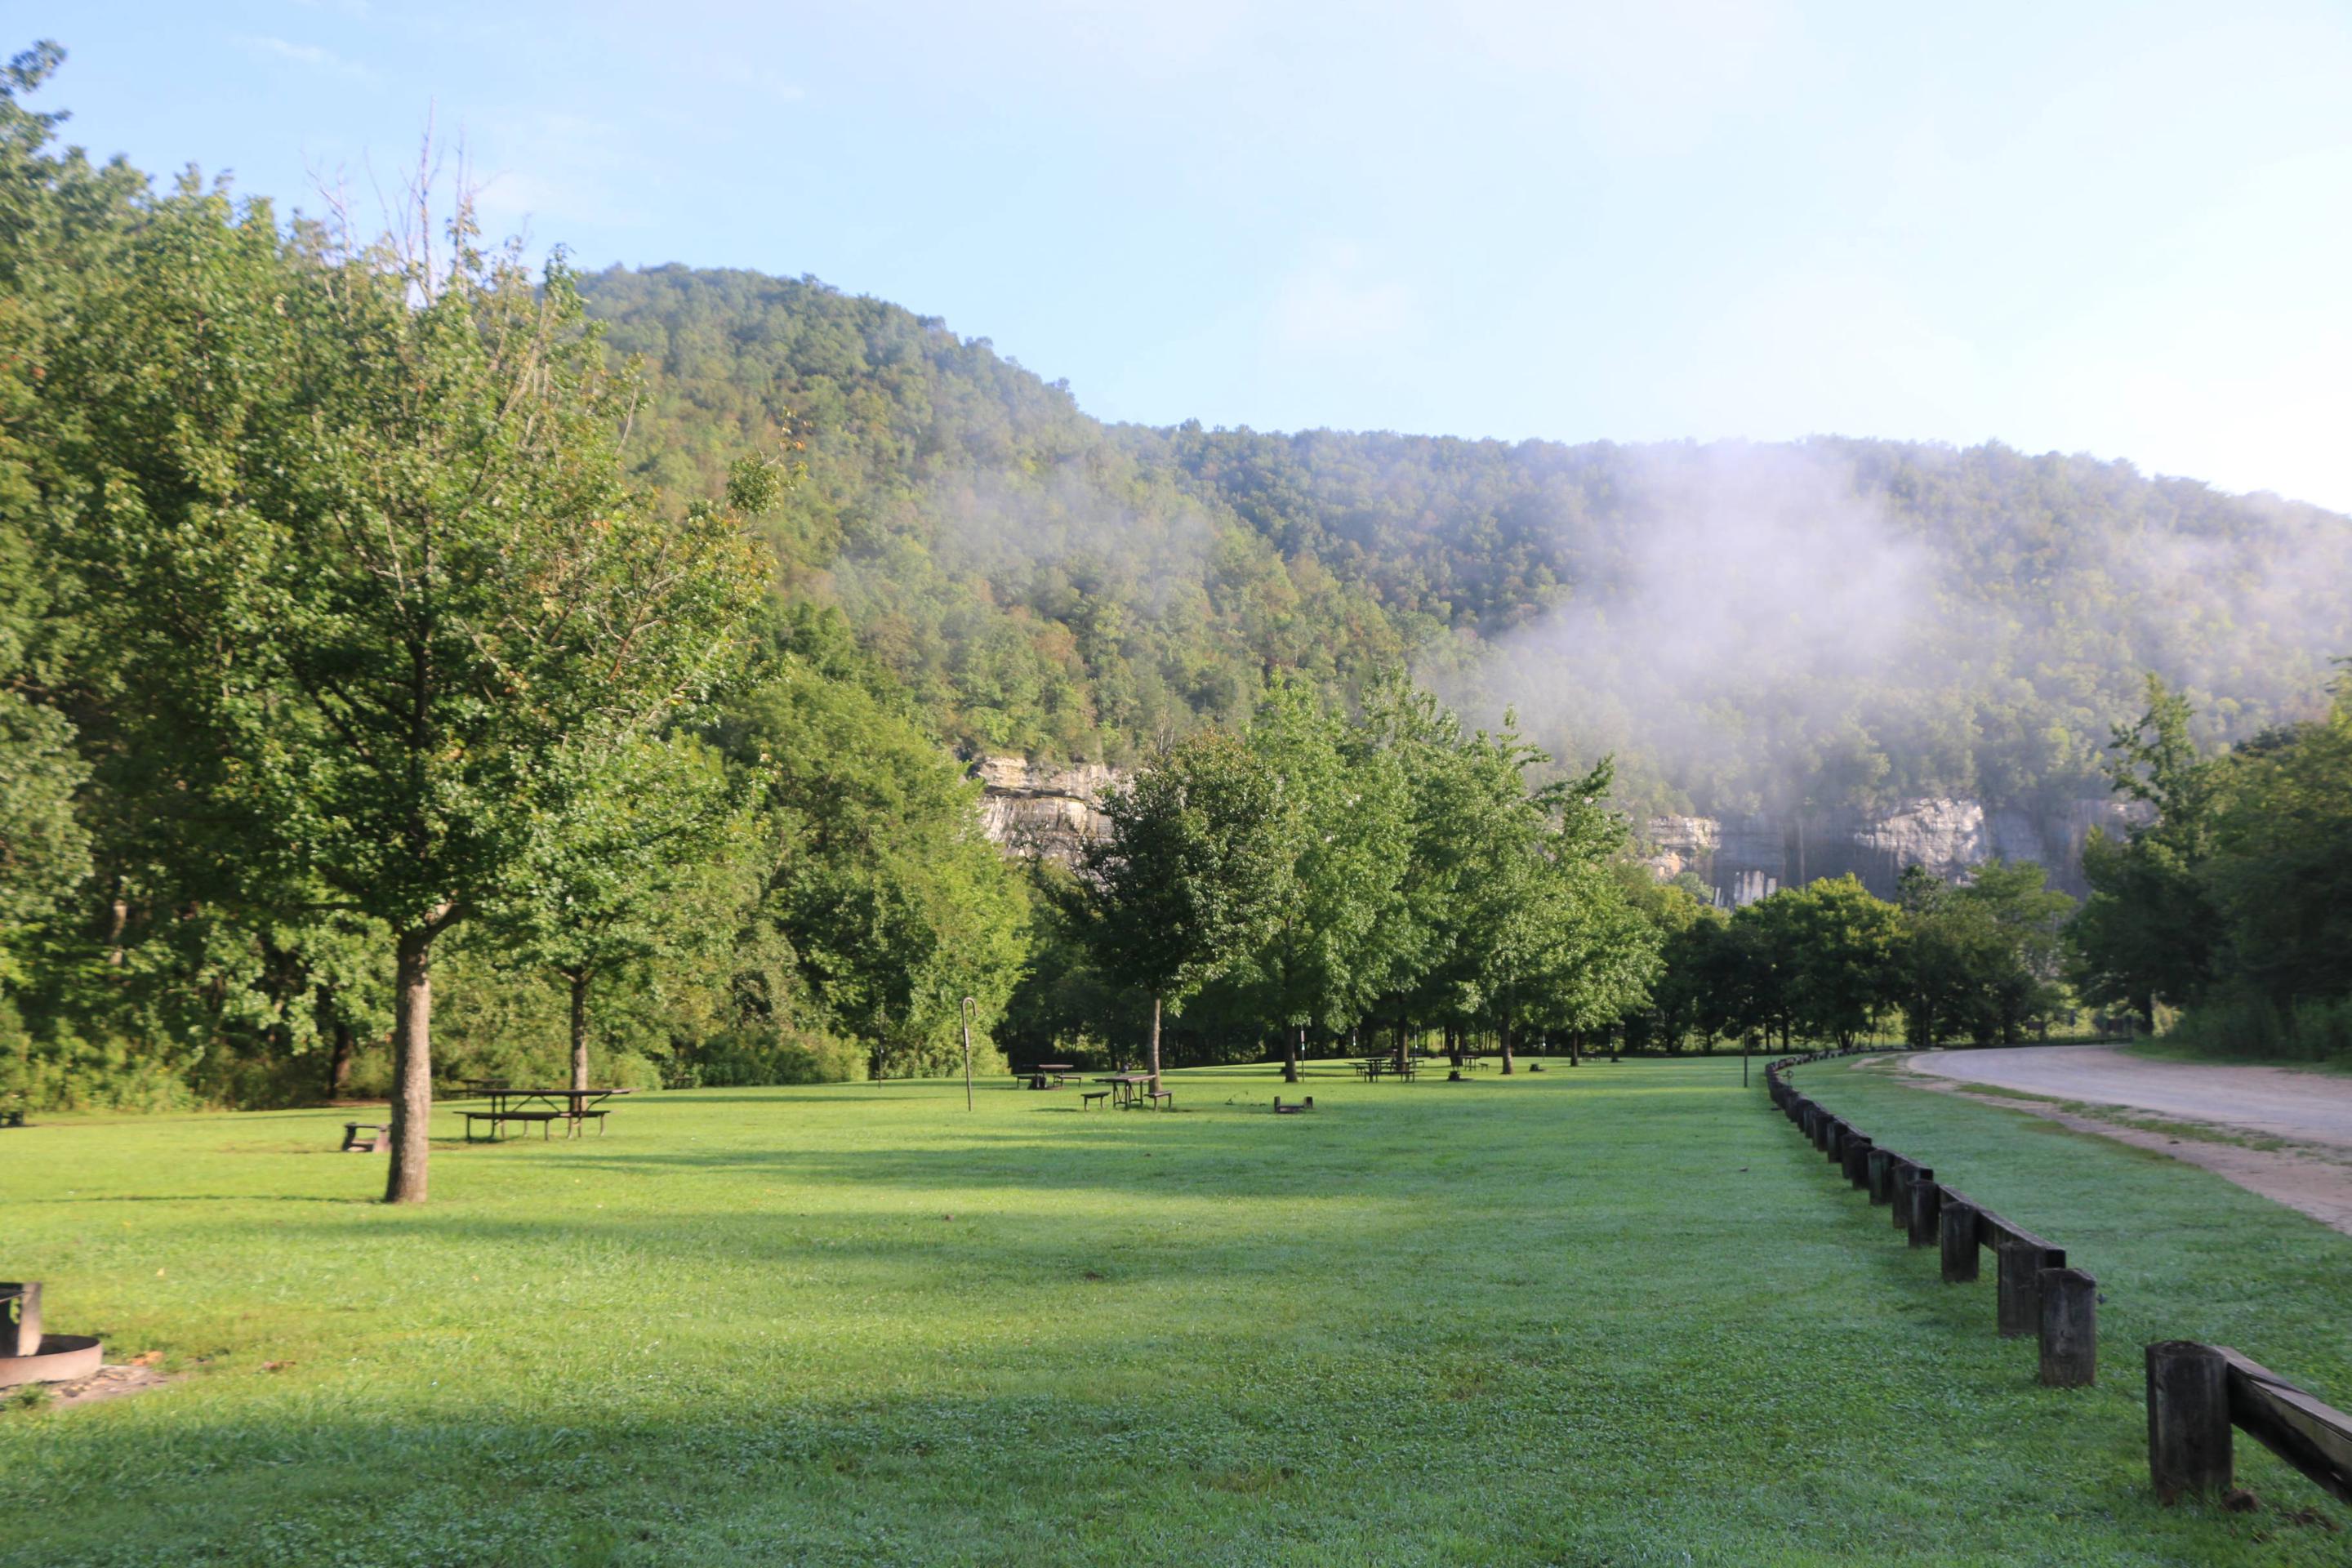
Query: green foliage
{"x": 1194, "y": 868}
{"x": 893, "y": 906}
{"x": 1048, "y": 584}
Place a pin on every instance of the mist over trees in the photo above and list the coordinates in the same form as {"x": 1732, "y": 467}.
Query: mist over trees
{"x": 1743, "y": 627}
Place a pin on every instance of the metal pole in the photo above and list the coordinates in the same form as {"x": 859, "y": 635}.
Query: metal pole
{"x": 967, "y": 1005}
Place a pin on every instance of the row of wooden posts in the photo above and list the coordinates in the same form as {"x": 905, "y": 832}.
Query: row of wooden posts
{"x": 2037, "y": 1294}
{"x": 2195, "y": 1393}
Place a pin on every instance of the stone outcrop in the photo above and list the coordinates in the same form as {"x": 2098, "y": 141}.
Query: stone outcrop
{"x": 1747, "y": 857}
{"x": 1043, "y": 811}
{"x": 1048, "y": 811}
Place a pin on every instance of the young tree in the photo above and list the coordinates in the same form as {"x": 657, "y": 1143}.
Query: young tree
{"x": 356, "y": 520}
{"x": 1192, "y": 873}
{"x": 658, "y": 867}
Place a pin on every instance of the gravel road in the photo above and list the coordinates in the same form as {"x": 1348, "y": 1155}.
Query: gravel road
{"x": 2308, "y": 1108}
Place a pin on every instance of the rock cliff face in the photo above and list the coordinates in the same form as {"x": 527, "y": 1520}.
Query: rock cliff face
{"x": 1047, "y": 812}
{"x": 1038, "y": 810}
{"x": 1745, "y": 859}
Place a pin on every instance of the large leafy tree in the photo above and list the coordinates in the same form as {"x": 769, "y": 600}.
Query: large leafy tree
{"x": 876, "y": 872}
{"x": 1192, "y": 873}
{"x": 2280, "y": 871}
{"x": 355, "y": 519}
{"x": 1333, "y": 944}
{"x": 1840, "y": 944}
{"x": 2148, "y": 932}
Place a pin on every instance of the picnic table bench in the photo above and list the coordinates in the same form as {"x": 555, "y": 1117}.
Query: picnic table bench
{"x": 508, "y": 1104}
{"x": 378, "y": 1138}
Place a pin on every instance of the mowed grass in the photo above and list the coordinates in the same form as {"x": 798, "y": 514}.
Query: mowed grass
{"x": 1621, "y": 1314}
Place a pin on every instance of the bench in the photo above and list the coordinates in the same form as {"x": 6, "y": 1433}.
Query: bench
{"x": 377, "y": 1139}
{"x": 1088, "y": 1097}
{"x": 12, "y": 1118}
{"x": 1158, "y": 1095}
{"x": 1300, "y": 1108}
{"x": 544, "y": 1117}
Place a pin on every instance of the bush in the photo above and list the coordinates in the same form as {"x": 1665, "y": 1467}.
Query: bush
{"x": 2253, "y": 1028}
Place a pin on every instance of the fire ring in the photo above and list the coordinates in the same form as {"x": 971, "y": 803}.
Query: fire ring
{"x": 60, "y": 1357}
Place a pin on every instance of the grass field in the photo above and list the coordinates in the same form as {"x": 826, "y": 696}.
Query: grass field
{"x": 1617, "y": 1315}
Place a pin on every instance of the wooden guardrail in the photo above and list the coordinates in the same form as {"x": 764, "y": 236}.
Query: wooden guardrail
{"x": 2037, "y": 1293}
{"x": 2195, "y": 1393}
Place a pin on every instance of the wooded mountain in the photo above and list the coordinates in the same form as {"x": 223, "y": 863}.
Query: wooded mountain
{"x": 1750, "y": 628}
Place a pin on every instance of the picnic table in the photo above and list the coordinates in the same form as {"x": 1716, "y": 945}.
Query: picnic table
{"x": 1048, "y": 1075}
{"x": 1378, "y": 1067}
{"x": 508, "y": 1104}
{"x": 1128, "y": 1087}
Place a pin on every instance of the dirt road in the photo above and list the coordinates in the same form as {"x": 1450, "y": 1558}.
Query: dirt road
{"x": 2305, "y": 1107}
{"x": 2286, "y": 1135}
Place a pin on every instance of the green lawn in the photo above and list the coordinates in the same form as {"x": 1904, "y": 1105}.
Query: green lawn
{"x": 1617, "y": 1315}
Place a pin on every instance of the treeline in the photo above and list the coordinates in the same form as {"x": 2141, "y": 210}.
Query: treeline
{"x": 2232, "y": 900}
{"x": 365, "y": 720}
{"x": 1324, "y": 880}
{"x": 1048, "y": 586}
{"x": 1980, "y": 962}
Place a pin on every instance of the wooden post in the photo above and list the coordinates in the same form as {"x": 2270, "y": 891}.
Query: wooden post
{"x": 1899, "y": 1175}
{"x": 1956, "y": 1225}
{"x": 1926, "y": 1207}
{"x": 1811, "y": 1127}
{"x": 2188, "y": 1420}
{"x": 1857, "y": 1159}
{"x": 2069, "y": 1328}
{"x": 2019, "y": 1265}
{"x": 1881, "y": 1171}
{"x": 20, "y": 1317}
{"x": 1834, "y": 1140}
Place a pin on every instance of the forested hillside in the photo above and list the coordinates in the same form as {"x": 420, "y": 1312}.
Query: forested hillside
{"x": 1747, "y": 627}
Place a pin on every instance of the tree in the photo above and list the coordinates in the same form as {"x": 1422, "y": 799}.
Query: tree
{"x": 2148, "y": 931}
{"x": 2280, "y": 874}
{"x": 895, "y": 906}
{"x": 1192, "y": 873}
{"x": 1330, "y": 951}
{"x": 1836, "y": 944}
{"x": 356, "y": 522}
{"x": 657, "y": 867}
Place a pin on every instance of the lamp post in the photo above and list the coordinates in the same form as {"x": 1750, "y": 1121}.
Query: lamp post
{"x": 968, "y": 1006}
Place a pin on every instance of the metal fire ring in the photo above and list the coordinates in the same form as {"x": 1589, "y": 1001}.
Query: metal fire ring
{"x": 60, "y": 1358}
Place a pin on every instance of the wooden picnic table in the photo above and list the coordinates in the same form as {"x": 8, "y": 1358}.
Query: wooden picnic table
{"x": 1123, "y": 1085}
{"x": 1047, "y": 1075}
{"x": 510, "y": 1103}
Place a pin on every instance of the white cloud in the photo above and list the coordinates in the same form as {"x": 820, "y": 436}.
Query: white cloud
{"x": 310, "y": 57}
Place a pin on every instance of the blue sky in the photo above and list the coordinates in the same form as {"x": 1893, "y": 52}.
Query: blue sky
{"x": 2120, "y": 228}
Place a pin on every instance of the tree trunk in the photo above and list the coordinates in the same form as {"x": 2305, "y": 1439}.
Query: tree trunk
{"x": 579, "y": 978}
{"x": 1503, "y": 1039}
{"x": 1297, "y": 1048}
{"x": 1576, "y": 1047}
{"x": 338, "y": 1062}
{"x": 411, "y": 1067}
{"x": 1155, "y": 1039}
{"x": 1403, "y": 1042}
